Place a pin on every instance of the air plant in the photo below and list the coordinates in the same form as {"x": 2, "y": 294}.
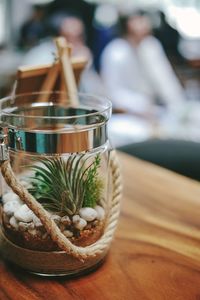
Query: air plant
{"x": 64, "y": 186}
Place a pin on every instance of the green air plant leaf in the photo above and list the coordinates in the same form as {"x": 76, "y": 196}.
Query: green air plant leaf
{"x": 64, "y": 186}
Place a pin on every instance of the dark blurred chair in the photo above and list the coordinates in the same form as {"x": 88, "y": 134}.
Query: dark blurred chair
{"x": 182, "y": 157}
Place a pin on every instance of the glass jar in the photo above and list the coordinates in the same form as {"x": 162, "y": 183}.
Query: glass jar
{"x": 56, "y": 209}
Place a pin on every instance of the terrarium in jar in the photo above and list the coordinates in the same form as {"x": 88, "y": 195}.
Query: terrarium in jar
{"x": 60, "y": 195}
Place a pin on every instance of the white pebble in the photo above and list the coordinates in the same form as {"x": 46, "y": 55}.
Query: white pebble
{"x": 13, "y": 222}
{"x": 56, "y": 218}
{"x": 37, "y": 221}
{"x": 68, "y": 233}
{"x": 23, "y": 226}
{"x": 31, "y": 225}
{"x": 81, "y": 224}
{"x": 10, "y": 196}
{"x": 65, "y": 220}
{"x": 32, "y": 231}
{"x": 75, "y": 219}
{"x": 24, "y": 214}
{"x": 88, "y": 213}
{"x": 100, "y": 212}
{"x": 11, "y": 207}
{"x": 45, "y": 235}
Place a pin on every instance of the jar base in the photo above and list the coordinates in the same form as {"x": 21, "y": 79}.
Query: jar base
{"x": 72, "y": 274}
{"x": 54, "y": 263}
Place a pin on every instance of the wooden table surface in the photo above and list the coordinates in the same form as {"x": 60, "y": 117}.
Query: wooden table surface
{"x": 155, "y": 253}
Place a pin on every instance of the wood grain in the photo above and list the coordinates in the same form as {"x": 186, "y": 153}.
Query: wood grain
{"x": 155, "y": 254}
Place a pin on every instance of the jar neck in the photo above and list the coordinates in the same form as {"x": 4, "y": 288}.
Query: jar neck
{"x": 57, "y": 143}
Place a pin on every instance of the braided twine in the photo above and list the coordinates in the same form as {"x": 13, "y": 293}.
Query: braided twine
{"x": 57, "y": 236}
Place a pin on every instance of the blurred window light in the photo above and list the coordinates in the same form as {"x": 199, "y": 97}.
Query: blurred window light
{"x": 185, "y": 18}
{"x": 184, "y": 15}
{"x": 2, "y": 21}
{"x": 188, "y": 23}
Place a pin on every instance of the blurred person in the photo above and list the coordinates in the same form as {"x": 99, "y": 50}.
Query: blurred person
{"x": 136, "y": 71}
{"x": 69, "y": 26}
{"x": 84, "y": 9}
{"x": 72, "y": 28}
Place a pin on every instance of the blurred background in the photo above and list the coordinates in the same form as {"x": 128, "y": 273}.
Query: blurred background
{"x": 142, "y": 54}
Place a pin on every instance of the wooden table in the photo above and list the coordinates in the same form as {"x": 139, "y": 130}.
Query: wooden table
{"x": 155, "y": 254}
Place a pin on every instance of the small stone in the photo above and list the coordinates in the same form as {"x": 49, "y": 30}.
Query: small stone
{"x": 68, "y": 233}
{"x": 39, "y": 233}
{"x": 32, "y": 231}
{"x": 24, "y": 214}
{"x": 76, "y": 219}
{"x": 31, "y": 225}
{"x": 10, "y": 196}
{"x": 11, "y": 207}
{"x": 13, "y": 222}
{"x": 45, "y": 235}
{"x": 56, "y": 218}
{"x": 65, "y": 220}
{"x": 23, "y": 226}
{"x": 88, "y": 213}
{"x": 100, "y": 212}
{"x": 89, "y": 226}
{"x": 95, "y": 223}
{"x": 81, "y": 224}
{"x": 37, "y": 222}
{"x": 62, "y": 227}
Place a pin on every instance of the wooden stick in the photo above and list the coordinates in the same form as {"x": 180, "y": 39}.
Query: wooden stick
{"x": 50, "y": 79}
{"x": 49, "y": 82}
{"x": 62, "y": 89}
{"x": 35, "y": 71}
{"x": 68, "y": 74}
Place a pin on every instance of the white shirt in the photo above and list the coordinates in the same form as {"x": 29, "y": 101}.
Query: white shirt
{"x": 135, "y": 77}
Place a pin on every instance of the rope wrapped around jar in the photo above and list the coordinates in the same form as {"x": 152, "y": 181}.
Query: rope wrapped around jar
{"x": 81, "y": 253}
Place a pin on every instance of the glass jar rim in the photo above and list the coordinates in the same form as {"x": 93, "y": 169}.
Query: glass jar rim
{"x": 104, "y": 101}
